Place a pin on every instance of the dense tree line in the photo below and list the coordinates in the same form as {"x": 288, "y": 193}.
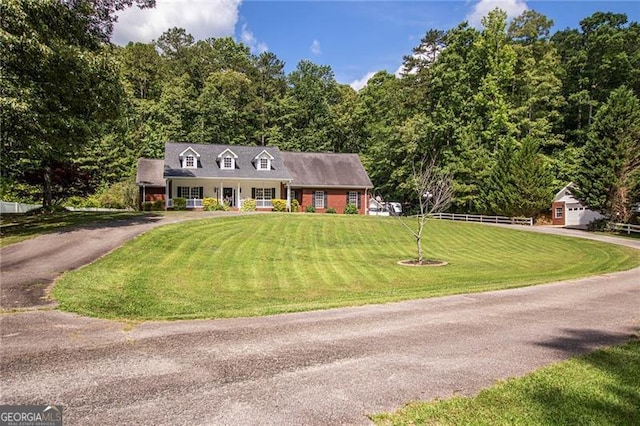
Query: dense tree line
{"x": 511, "y": 110}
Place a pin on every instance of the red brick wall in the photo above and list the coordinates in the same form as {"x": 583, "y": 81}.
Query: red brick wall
{"x": 555, "y": 220}
{"x": 336, "y": 198}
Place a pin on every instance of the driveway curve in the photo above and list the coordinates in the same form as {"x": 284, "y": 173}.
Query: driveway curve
{"x": 325, "y": 367}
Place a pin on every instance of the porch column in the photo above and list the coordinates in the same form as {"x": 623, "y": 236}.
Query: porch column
{"x": 220, "y": 197}
{"x": 289, "y": 196}
{"x": 366, "y": 202}
{"x": 238, "y": 196}
{"x": 167, "y": 182}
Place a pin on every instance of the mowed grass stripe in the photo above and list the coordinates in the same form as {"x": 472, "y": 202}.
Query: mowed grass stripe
{"x": 263, "y": 264}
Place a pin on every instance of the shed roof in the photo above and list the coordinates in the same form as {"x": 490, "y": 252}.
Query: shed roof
{"x": 208, "y": 162}
{"x": 309, "y": 169}
{"x": 150, "y": 172}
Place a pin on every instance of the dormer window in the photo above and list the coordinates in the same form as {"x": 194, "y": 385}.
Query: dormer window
{"x": 227, "y": 159}
{"x": 263, "y": 161}
{"x": 189, "y": 158}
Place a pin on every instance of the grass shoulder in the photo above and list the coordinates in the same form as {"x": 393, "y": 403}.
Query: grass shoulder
{"x": 266, "y": 264}
{"x": 598, "y": 389}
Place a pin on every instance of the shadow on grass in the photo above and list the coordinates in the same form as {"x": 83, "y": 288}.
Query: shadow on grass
{"x": 602, "y": 388}
{"x": 19, "y": 227}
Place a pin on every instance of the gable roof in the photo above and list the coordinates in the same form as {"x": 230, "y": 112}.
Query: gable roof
{"x": 187, "y": 150}
{"x": 150, "y": 172}
{"x": 208, "y": 166}
{"x": 310, "y": 169}
{"x": 566, "y": 195}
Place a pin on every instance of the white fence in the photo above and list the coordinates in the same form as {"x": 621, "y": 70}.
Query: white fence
{"x": 624, "y": 227}
{"x": 11, "y": 207}
{"x": 484, "y": 219}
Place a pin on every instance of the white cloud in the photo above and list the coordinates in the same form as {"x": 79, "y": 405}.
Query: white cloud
{"x": 200, "y": 18}
{"x": 315, "y": 47}
{"x": 483, "y": 7}
{"x": 250, "y": 40}
{"x": 360, "y": 83}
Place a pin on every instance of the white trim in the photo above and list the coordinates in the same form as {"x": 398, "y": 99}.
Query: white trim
{"x": 228, "y": 150}
{"x": 189, "y": 149}
{"x": 319, "y": 185}
{"x": 264, "y": 151}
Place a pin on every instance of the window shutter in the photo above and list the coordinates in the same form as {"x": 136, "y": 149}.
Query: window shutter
{"x": 313, "y": 198}
{"x": 253, "y": 193}
{"x": 359, "y": 196}
{"x": 201, "y": 191}
{"x": 347, "y": 199}
{"x": 326, "y": 199}
{"x": 273, "y": 193}
{"x": 170, "y": 187}
{"x": 179, "y": 192}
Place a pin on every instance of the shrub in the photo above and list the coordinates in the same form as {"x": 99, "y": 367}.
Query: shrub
{"x": 295, "y": 206}
{"x": 248, "y": 205}
{"x": 121, "y": 195}
{"x": 212, "y": 204}
{"x": 309, "y": 209}
{"x": 79, "y": 202}
{"x": 279, "y": 205}
{"x": 601, "y": 224}
{"x": 179, "y": 203}
{"x": 351, "y": 209}
{"x": 149, "y": 206}
{"x": 330, "y": 210}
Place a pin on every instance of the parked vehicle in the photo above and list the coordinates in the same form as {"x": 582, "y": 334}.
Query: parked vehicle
{"x": 377, "y": 207}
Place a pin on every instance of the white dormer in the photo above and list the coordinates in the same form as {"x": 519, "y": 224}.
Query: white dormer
{"x": 263, "y": 160}
{"x": 227, "y": 159}
{"x": 189, "y": 158}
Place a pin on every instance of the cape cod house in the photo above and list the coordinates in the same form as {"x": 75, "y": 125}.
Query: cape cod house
{"x": 233, "y": 173}
{"x": 567, "y": 210}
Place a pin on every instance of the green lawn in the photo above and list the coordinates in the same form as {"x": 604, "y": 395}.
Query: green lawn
{"x": 15, "y": 228}
{"x": 602, "y": 388}
{"x": 265, "y": 264}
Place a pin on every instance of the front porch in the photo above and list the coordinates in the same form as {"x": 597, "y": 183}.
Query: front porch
{"x": 229, "y": 192}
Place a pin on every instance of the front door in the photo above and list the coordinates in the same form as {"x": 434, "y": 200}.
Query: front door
{"x": 228, "y": 197}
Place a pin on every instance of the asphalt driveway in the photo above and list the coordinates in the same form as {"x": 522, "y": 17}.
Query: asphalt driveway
{"x": 325, "y": 367}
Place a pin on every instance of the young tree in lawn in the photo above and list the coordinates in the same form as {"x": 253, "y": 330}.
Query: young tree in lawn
{"x": 433, "y": 188}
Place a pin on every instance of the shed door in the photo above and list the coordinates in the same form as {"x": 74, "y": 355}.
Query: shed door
{"x": 573, "y": 214}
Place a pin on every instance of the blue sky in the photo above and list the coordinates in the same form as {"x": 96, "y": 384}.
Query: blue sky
{"x": 356, "y": 38}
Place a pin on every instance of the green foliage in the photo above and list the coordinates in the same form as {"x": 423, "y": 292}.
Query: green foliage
{"x": 520, "y": 182}
{"x": 150, "y": 206}
{"x": 309, "y": 209}
{"x": 610, "y": 174}
{"x": 212, "y": 204}
{"x": 92, "y": 201}
{"x": 279, "y": 205}
{"x": 295, "y": 206}
{"x": 121, "y": 195}
{"x": 351, "y": 209}
{"x": 179, "y": 203}
{"x": 248, "y": 205}
{"x": 330, "y": 210}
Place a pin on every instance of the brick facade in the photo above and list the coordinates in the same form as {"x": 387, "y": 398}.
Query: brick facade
{"x": 336, "y": 198}
{"x": 556, "y": 218}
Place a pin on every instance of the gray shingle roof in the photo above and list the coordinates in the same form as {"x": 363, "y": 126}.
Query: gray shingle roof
{"x": 150, "y": 172}
{"x": 326, "y": 170}
{"x": 208, "y": 162}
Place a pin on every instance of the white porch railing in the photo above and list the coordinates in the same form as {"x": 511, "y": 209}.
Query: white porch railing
{"x": 192, "y": 203}
{"x": 484, "y": 219}
{"x": 264, "y": 204}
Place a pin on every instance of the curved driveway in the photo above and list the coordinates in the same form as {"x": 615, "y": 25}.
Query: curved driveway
{"x": 325, "y": 367}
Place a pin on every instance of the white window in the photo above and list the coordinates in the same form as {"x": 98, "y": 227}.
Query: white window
{"x": 195, "y": 192}
{"x": 319, "y": 199}
{"x": 353, "y": 198}
{"x": 264, "y": 194}
{"x": 559, "y": 212}
{"x": 227, "y": 163}
{"x": 190, "y": 161}
{"x": 263, "y": 164}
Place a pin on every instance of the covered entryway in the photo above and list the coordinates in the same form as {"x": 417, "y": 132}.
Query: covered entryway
{"x": 229, "y": 196}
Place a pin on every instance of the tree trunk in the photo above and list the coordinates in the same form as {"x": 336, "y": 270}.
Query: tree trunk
{"x": 419, "y": 244}
{"x": 46, "y": 188}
